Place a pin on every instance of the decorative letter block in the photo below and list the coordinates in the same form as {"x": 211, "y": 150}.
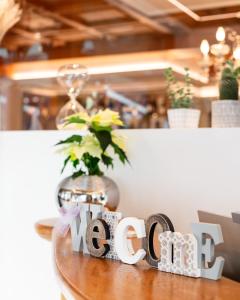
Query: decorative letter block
{"x": 148, "y": 243}
{"x": 97, "y": 230}
{"x": 179, "y": 254}
{"x": 206, "y": 249}
{"x": 112, "y": 219}
{"x": 79, "y": 225}
{"x": 104, "y": 234}
{"x": 121, "y": 243}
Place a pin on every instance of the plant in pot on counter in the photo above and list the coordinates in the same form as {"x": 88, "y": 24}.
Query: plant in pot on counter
{"x": 226, "y": 111}
{"x": 181, "y": 114}
{"x": 88, "y": 153}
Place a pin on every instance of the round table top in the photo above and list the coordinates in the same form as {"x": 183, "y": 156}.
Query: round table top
{"x": 44, "y": 228}
{"x": 95, "y": 278}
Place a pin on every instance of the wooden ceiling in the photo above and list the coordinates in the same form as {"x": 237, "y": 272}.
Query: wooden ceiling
{"x": 83, "y": 27}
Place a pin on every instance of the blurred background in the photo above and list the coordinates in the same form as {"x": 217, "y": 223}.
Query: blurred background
{"x": 126, "y": 45}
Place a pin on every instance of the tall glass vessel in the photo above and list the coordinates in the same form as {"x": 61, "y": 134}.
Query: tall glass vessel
{"x": 72, "y": 78}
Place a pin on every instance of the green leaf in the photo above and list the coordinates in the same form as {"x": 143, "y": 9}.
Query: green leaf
{"x": 230, "y": 64}
{"x": 237, "y": 72}
{"x": 92, "y": 164}
{"x": 75, "y": 163}
{"x": 121, "y": 154}
{"x": 107, "y": 160}
{"x": 65, "y": 163}
{"x": 78, "y": 173}
{"x": 104, "y": 138}
{"x": 74, "y": 120}
{"x": 72, "y": 139}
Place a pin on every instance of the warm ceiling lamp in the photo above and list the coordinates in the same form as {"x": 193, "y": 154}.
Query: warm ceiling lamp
{"x": 236, "y": 53}
{"x": 220, "y": 51}
{"x": 204, "y": 47}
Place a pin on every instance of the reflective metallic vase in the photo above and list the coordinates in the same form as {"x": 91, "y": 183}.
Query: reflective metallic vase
{"x": 91, "y": 189}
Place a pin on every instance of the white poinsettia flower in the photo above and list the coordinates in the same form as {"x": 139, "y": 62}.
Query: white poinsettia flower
{"x": 78, "y": 121}
{"x": 119, "y": 140}
{"x": 95, "y": 127}
{"x": 75, "y": 126}
{"x": 71, "y": 150}
{"x": 107, "y": 117}
{"x": 84, "y": 116}
{"x": 91, "y": 145}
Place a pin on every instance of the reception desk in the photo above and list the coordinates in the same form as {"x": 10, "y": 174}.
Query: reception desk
{"x": 175, "y": 172}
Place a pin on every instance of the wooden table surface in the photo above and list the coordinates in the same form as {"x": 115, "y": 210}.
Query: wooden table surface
{"x": 44, "y": 228}
{"x": 94, "y": 279}
{"x": 103, "y": 279}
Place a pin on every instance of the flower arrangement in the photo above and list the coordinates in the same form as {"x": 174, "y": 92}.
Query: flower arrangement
{"x": 180, "y": 95}
{"x": 98, "y": 143}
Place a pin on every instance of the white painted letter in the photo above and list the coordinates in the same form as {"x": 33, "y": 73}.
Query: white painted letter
{"x": 206, "y": 249}
{"x": 179, "y": 254}
{"x": 121, "y": 243}
{"x": 79, "y": 225}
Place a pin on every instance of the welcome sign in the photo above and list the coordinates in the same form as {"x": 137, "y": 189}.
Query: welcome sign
{"x": 104, "y": 234}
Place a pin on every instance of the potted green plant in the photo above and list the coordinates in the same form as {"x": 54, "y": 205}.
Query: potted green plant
{"x": 181, "y": 114}
{"x": 226, "y": 110}
{"x": 88, "y": 153}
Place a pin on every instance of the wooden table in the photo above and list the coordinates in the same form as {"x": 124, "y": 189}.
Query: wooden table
{"x": 91, "y": 278}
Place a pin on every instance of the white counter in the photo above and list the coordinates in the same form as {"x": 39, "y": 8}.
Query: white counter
{"x": 175, "y": 172}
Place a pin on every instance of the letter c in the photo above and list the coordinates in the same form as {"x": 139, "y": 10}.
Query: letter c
{"x": 121, "y": 242}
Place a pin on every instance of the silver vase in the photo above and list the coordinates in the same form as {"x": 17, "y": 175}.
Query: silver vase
{"x": 91, "y": 189}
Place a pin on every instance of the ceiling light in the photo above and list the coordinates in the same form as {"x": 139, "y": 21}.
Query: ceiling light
{"x": 111, "y": 69}
{"x": 220, "y": 34}
{"x": 220, "y": 51}
{"x": 204, "y": 47}
{"x": 236, "y": 53}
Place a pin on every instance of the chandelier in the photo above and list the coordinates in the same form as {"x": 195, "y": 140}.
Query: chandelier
{"x": 216, "y": 55}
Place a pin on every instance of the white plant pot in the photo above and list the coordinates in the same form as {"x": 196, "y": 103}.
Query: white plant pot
{"x": 183, "y": 117}
{"x": 225, "y": 113}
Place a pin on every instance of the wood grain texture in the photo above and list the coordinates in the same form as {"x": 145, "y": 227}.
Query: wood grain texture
{"x": 92, "y": 278}
{"x": 44, "y": 228}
